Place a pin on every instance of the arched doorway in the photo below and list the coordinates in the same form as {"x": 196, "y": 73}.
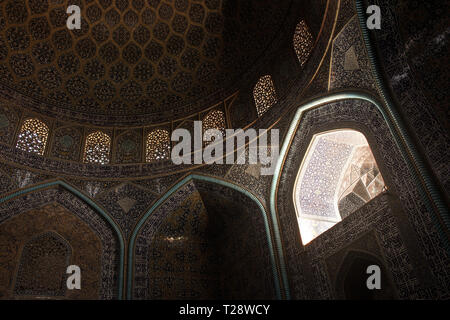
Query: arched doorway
{"x": 204, "y": 240}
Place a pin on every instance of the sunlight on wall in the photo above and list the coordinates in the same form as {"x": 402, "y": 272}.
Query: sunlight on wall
{"x": 338, "y": 175}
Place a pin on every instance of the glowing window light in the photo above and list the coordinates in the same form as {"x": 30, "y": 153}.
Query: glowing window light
{"x": 157, "y": 146}
{"x": 303, "y": 42}
{"x": 338, "y": 175}
{"x": 33, "y": 136}
{"x": 97, "y": 148}
{"x": 264, "y": 94}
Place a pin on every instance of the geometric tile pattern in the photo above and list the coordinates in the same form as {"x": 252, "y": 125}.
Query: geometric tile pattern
{"x": 133, "y": 57}
{"x": 126, "y": 203}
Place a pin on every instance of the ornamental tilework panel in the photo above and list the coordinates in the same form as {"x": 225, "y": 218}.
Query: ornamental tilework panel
{"x": 364, "y": 117}
{"x": 95, "y": 246}
{"x": 160, "y": 185}
{"x": 419, "y": 85}
{"x": 249, "y": 176}
{"x": 8, "y": 122}
{"x": 21, "y": 178}
{"x": 324, "y": 167}
{"x": 92, "y": 188}
{"x": 215, "y": 170}
{"x": 365, "y": 246}
{"x": 66, "y": 143}
{"x": 128, "y": 147}
{"x": 182, "y": 251}
{"x": 350, "y": 66}
{"x": 346, "y": 12}
{"x": 42, "y": 266}
{"x": 126, "y": 203}
{"x": 44, "y": 243}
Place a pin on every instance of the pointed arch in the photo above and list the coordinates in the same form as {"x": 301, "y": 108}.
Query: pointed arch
{"x": 352, "y": 274}
{"x": 396, "y": 137}
{"x": 78, "y": 194}
{"x": 276, "y": 253}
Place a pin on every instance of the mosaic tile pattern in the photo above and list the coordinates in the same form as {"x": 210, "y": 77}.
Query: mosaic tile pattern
{"x": 102, "y": 283}
{"x": 187, "y": 231}
{"x": 123, "y": 51}
{"x": 126, "y": 203}
{"x": 415, "y": 76}
{"x": 48, "y": 245}
{"x": 67, "y": 143}
{"x": 321, "y": 176}
{"x": 128, "y": 147}
{"x": 9, "y": 119}
{"x": 350, "y": 66}
{"x": 42, "y": 266}
{"x": 337, "y": 176}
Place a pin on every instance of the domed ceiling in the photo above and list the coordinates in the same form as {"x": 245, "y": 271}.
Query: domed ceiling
{"x": 132, "y": 58}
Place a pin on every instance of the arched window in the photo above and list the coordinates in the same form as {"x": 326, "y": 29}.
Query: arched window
{"x": 303, "y": 42}
{"x": 42, "y": 267}
{"x": 97, "y": 148}
{"x": 264, "y": 94}
{"x": 338, "y": 176}
{"x": 157, "y": 146}
{"x": 213, "y": 120}
{"x": 33, "y": 136}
